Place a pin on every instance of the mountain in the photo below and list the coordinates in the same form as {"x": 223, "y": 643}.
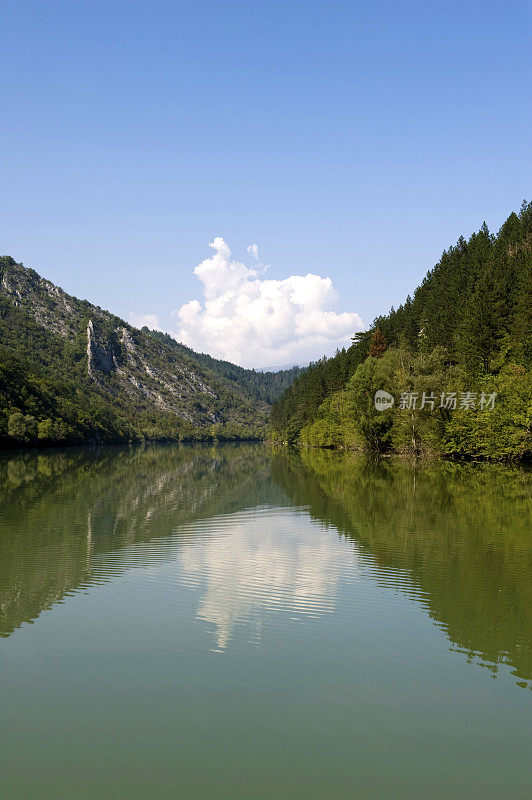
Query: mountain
{"x": 261, "y": 384}
{"x": 71, "y": 372}
{"x": 464, "y": 337}
{"x": 280, "y": 368}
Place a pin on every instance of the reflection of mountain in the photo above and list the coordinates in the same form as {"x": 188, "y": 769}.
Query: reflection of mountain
{"x": 458, "y": 536}
{"x": 461, "y": 532}
{"x": 260, "y": 561}
{"x": 60, "y": 511}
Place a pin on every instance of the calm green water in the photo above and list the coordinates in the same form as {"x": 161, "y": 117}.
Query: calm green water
{"x": 222, "y": 622}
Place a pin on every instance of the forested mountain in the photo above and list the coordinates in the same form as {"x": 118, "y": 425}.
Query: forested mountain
{"x": 466, "y": 329}
{"x": 263, "y": 386}
{"x": 71, "y": 372}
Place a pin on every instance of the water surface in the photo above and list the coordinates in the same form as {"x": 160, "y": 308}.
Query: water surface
{"x": 229, "y": 622}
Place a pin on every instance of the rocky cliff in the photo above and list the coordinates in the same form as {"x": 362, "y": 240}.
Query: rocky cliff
{"x": 69, "y": 363}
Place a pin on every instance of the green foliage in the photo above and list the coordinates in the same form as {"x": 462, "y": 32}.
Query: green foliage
{"x": 46, "y": 429}
{"x": 502, "y": 432}
{"x": 468, "y": 327}
{"x": 140, "y": 385}
{"x": 18, "y": 427}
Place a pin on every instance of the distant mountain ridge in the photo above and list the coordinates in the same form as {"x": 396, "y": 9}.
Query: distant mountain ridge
{"x": 72, "y": 372}
{"x": 280, "y": 368}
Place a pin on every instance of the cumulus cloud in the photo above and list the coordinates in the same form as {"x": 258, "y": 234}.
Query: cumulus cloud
{"x": 257, "y": 322}
{"x": 253, "y": 250}
{"x": 140, "y": 320}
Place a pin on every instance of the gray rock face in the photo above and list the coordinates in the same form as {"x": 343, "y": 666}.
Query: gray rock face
{"x": 127, "y": 367}
{"x": 99, "y": 354}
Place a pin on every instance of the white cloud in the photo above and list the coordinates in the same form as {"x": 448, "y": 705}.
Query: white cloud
{"x": 257, "y": 322}
{"x": 253, "y": 250}
{"x": 139, "y": 320}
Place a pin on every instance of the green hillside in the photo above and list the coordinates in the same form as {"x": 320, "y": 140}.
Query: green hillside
{"x": 73, "y": 373}
{"x": 262, "y": 386}
{"x": 461, "y": 343}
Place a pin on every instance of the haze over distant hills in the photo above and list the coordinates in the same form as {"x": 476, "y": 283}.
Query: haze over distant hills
{"x": 280, "y": 368}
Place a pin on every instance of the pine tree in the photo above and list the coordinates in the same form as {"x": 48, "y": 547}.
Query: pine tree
{"x": 378, "y": 344}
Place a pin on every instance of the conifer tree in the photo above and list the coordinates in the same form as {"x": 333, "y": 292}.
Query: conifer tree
{"x": 378, "y": 344}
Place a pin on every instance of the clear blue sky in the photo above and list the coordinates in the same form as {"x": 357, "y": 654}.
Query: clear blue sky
{"x": 355, "y": 140}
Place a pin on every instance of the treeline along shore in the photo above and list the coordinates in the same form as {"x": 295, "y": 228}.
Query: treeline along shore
{"x": 448, "y": 372}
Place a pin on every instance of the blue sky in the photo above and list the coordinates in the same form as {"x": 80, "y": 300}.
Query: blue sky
{"x": 351, "y": 140}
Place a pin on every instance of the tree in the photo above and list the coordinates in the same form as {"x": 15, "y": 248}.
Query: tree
{"x": 45, "y": 429}
{"x": 17, "y": 427}
{"x": 377, "y": 345}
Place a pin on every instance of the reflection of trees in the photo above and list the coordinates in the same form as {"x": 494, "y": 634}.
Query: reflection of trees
{"x": 462, "y": 532}
{"x": 59, "y": 510}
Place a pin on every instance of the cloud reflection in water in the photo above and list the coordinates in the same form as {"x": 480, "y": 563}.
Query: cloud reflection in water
{"x": 261, "y": 561}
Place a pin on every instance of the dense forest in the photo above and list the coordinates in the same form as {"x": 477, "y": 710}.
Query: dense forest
{"x": 455, "y": 357}
{"x": 72, "y": 373}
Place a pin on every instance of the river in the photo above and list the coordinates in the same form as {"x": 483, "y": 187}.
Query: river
{"x": 228, "y": 621}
